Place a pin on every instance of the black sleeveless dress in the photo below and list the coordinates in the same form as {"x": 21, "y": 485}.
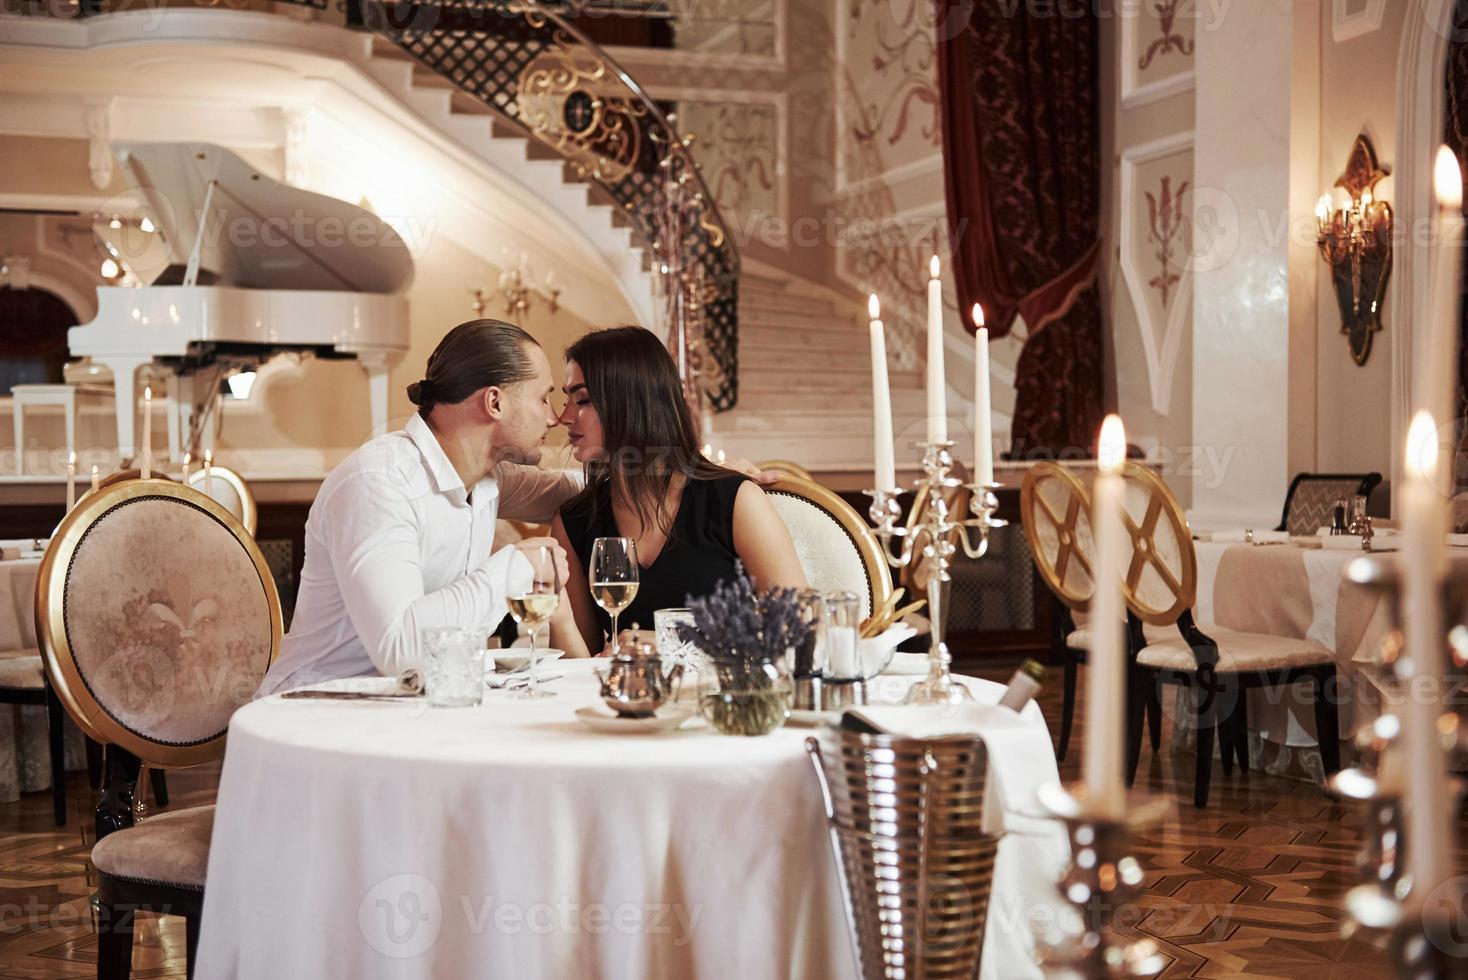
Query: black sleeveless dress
{"x": 699, "y": 553}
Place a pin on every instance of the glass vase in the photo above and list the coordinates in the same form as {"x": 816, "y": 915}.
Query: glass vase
{"x": 751, "y": 701}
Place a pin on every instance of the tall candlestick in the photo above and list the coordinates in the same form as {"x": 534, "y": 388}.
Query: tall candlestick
{"x": 96, "y": 480}
{"x": 208, "y": 472}
{"x": 147, "y": 469}
{"x": 885, "y": 465}
{"x": 71, "y": 480}
{"x": 1424, "y": 523}
{"x": 983, "y": 409}
{"x": 937, "y": 398}
{"x": 1106, "y": 672}
{"x": 1444, "y": 291}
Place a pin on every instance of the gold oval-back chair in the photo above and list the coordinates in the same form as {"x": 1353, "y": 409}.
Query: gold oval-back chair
{"x": 837, "y": 550}
{"x": 157, "y": 618}
{"x": 789, "y": 468}
{"x": 230, "y": 489}
{"x": 1219, "y": 666}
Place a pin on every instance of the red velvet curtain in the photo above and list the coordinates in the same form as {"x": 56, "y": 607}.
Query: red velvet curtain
{"x": 1022, "y": 170}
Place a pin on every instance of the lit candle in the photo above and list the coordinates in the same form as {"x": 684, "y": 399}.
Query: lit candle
{"x": 1322, "y": 213}
{"x": 208, "y": 472}
{"x": 983, "y": 409}
{"x": 96, "y": 480}
{"x": 147, "y": 470}
{"x": 1424, "y": 555}
{"x": 1106, "y": 673}
{"x": 937, "y": 409}
{"x": 721, "y": 457}
{"x": 1444, "y": 288}
{"x": 188, "y": 458}
{"x": 885, "y": 465}
{"x": 71, "y": 480}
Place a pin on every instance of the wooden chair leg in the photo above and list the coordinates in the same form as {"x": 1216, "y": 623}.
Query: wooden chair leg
{"x": 1328, "y": 720}
{"x": 94, "y": 764}
{"x": 1067, "y": 706}
{"x": 191, "y": 943}
{"x": 1154, "y": 716}
{"x": 1140, "y": 680}
{"x": 56, "y": 735}
{"x": 1241, "y": 732}
{"x": 1206, "y": 719}
{"x": 160, "y": 786}
{"x": 114, "y": 942}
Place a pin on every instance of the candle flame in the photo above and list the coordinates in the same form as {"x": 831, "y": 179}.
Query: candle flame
{"x": 1366, "y": 198}
{"x": 1422, "y": 446}
{"x": 208, "y": 457}
{"x": 1322, "y": 207}
{"x": 1447, "y": 179}
{"x": 148, "y": 393}
{"x": 978, "y": 313}
{"x": 1111, "y": 448}
{"x": 71, "y": 459}
{"x": 874, "y": 306}
{"x": 933, "y": 267}
{"x": 188, "y": 458}
{"x": 94, "y": 469}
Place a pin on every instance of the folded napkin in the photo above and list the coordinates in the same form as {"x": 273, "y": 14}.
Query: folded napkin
{"x": 876, "y": 651}
{"x": 1256, "y": 535}
{"x": 9, "y": 554}
{"x": 1021, "y": 759}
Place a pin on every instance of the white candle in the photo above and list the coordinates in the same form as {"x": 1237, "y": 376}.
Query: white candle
{"x": 937, "y": 404}
{"x": 188, "y": 458}
{"x": 885, "y": 464}
{"x": 1424, "y": 523}
{"x": 1106, "y": 672}
{"x": 208, "y": 472}
{"x": 1441, "y": 364}
{"x": 983, "y": 409}
{"x": 840, "y": 647}
{"x": 721, "y": 457}
{"x": 147, "y": 470}
{"x": 71, "y": 480}
{"x": 96, "y": 480}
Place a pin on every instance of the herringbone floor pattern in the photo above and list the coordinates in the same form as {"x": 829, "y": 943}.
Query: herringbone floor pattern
{"x": 1249, "y": 887}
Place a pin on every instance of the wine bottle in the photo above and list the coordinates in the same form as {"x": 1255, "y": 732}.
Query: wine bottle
{"x": 1023, "y": 686}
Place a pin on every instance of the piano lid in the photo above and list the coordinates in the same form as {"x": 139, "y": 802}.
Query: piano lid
{"x": 258, "y": 233}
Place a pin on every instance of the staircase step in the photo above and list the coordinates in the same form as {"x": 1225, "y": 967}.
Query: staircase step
{"x": 759, "y": 299}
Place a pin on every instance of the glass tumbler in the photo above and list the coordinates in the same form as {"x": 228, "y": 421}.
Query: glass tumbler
{"x": 453, "y": 665}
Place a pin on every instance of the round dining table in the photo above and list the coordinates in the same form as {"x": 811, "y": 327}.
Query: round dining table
{"x": 362, "y": 839}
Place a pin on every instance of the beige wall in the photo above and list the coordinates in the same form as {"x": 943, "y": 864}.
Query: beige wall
{"x": 1358, "y": 93}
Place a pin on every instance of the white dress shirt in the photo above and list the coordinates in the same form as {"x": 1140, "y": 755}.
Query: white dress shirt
{"x": 394, "y": 544}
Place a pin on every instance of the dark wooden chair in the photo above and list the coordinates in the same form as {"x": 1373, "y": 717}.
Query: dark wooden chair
{"x": 1311, "y": 498}
{"x": 1219, "y": 666}
{"x": 151, "y": 664}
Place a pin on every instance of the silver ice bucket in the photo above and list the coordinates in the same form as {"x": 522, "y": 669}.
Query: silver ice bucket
{"x": 906, "y": 820}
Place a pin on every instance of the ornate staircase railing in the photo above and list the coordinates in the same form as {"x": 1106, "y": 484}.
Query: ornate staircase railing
{"x": 532, "y": 66}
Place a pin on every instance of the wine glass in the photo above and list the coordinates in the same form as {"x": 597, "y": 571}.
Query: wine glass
{"x": 614, "y": 576}
{"x": 534, "y": 606}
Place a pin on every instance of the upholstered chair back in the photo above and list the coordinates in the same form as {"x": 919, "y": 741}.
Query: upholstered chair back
{"x": 1310, "y": 503}
{"x": 229, "y": 488}
{"x": 1055, "y": 509}
{"x": 1161, "y": 578}
{"x": 837, "y": 550}
{"x": 157, "y": 617}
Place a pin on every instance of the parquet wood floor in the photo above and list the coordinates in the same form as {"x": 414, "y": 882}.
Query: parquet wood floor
{"x": 1249, "y": 887}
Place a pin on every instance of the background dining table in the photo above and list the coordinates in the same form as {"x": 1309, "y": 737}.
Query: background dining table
{"x": 389, "y": 839}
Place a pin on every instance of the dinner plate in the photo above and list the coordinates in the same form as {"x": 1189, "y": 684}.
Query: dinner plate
{"x": 811, "y": 719}
{"x": 518, "y": 658}
{"x": 602, "y": 719}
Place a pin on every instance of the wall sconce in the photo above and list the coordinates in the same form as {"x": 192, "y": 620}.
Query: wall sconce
{"x": 516, "y": 293}
{"x": 1356, "y": 242}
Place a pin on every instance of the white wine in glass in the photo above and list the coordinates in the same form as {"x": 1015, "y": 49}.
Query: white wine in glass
{"x": 614, "y": 576}
{"x": 532, "y": 608}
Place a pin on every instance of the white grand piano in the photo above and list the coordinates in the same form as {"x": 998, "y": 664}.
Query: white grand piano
{"x": 255, "y": 267}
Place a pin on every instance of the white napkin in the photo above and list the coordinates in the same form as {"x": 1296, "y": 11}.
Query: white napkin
{"x": 876, "y": 652}
{"x": 1240, "y": 535}
{"x": 1021, "y": 759}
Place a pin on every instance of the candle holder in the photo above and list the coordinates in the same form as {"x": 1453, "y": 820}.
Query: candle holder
{"x": 932, "y": 524}
{"x": 1103, "y": 878}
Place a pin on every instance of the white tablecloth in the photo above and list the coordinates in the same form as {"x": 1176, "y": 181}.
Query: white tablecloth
{"x": 362, "y": 840}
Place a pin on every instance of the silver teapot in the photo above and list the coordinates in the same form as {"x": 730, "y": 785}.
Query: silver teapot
{"x": 634, "y": 686}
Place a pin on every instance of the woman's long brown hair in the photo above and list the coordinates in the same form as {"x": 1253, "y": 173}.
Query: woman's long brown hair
{"x": 647, "y": 430}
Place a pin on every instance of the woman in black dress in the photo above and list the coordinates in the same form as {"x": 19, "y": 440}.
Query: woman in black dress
{"x": 647, "y": 480}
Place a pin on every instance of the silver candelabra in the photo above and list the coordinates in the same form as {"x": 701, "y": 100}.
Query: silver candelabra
{"x": 939, "y": 528}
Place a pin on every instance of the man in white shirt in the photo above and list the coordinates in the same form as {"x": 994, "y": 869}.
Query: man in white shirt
{"x": 399, "y": 536}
